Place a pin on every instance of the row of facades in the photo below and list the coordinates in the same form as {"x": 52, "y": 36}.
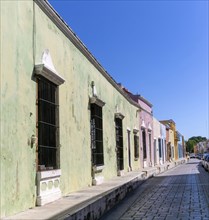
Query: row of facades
{"x": 65, "y": 123}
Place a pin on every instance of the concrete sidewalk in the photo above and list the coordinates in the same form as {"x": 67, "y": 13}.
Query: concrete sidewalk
{"x": 92, "y": 202}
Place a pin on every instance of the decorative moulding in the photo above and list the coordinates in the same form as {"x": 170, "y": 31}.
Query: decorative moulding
{"x": 98, "y": 168}
{"x": 48, "y": 174}
{"x": 48, "y": 186}
{"x": 119, "y": 115}
{"x": 97, "y": 101}
{"x": 135, "y": 130}
{"x": 149, "y": 127}
{"x": 143, "y": 124}
{"x": 47, "y": 70}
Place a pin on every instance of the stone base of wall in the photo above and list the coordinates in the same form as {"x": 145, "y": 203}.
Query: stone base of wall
{"x": 150, "y": 171}
{"x": 120, "y": 173}
{"x": 97, "y": 180}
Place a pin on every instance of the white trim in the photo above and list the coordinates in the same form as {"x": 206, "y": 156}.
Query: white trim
{"x": 48, "y": 174}
{"x": 120, "y": 173}
{"x": 47, "y": 70}
{"x": 97, "y": 180}
{"x": 135, "y": 130}
{"x": 97, "y": 101}
{"x": 149, "y": 127}
{"x": 143, "y": 124}
{"x": 48, "y": 186}
{"x": 98, "y": 168}
{"x": 119, "y": 115}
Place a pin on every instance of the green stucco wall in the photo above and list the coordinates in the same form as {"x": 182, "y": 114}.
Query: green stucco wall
{"x": 18, "y": 112}
{"x": 26, "y": 32}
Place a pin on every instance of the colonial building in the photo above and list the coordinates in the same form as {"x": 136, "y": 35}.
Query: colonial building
{"x": 169, "y": 140}
{"x": 178, "y": 150}
{"x": 65, "y": 123}
{"x": 146, "y": 131}
{"x": 174, "y": 147}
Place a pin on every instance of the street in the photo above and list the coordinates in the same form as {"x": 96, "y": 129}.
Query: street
{"x": 180, "y": 193}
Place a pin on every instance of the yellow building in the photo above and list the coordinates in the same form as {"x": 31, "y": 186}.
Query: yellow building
{"x": 173, "y": 137}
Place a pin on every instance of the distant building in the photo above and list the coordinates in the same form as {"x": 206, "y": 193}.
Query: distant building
{"x": 169, "y": 143}
{"x": 66, "y": 124}
{"x": 174, "y": 140}
{"x": 159, "y": 131}
{"x": 146, "y": 129}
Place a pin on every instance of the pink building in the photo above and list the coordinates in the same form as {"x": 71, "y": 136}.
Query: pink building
{"x": 146, "y": 150}
{"x": 146, "y": 133}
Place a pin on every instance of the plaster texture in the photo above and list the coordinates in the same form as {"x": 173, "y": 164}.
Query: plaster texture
{"x": 34, "y": 33}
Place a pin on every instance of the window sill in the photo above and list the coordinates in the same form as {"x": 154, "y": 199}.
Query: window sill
{"x": 48, "y": 174}
{"x": 97, "y": 169}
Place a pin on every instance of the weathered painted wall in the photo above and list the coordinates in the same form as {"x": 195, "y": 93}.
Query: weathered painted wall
{"x": 171, "y": 139}
{"x": 18, "y": 112}
{"x": 156, "y": 134}
{"x": 74, "y": 108}
{"x": 35, "y": 32}
{"x": 145, "y": 119}
{"x": 144, "y": 105}
{"x": 172, "y": 125}
{"x": 163, "y": 141}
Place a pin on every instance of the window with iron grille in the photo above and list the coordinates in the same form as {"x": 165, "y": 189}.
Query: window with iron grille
{"x": 97, "y": 135}
{"x": 136, "y": 146}
{"x": 144, "y": 144}
{"x": 119, "y": 143}
{"x": 47, "y": 124}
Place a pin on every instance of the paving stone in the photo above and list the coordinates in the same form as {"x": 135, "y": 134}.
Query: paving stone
{"x": 176, "y": 194}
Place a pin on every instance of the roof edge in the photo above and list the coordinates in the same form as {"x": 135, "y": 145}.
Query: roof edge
{"x": 67, "y": 31}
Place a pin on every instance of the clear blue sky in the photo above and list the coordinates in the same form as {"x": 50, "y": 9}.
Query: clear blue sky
{"x": 158, "y": 49}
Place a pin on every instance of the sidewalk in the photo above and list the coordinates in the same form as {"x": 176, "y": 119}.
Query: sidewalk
{"x": 180, "y": 193}
{"x": 91, "y": 202}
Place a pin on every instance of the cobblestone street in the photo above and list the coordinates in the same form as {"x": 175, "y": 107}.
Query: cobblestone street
{"x": 180, "y": 193}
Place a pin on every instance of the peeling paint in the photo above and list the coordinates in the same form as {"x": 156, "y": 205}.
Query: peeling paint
{"x": 18, "y": 119}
